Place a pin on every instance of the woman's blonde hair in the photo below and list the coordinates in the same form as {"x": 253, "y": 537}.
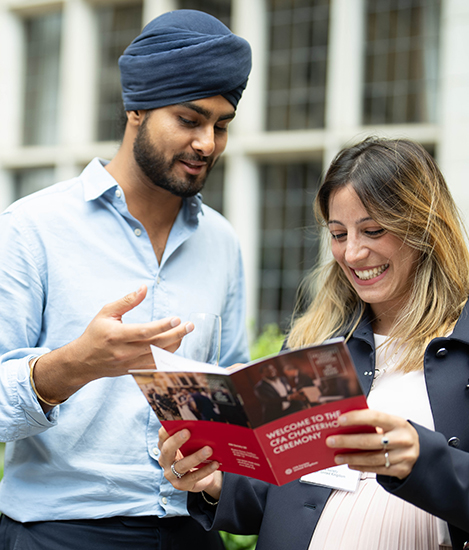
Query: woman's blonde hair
{"x": 403, "y": 190}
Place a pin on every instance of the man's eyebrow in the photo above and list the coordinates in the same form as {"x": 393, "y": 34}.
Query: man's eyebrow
{"x": 206, "y": 113}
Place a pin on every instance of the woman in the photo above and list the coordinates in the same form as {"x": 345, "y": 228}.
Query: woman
{"x": 396, "y": 288}
{"x": 183, "y": 401}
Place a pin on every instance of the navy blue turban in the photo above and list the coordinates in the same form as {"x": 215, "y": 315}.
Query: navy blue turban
{"x": 183, "y": 55}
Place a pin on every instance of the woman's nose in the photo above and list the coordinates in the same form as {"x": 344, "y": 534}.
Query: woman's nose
{"x": 355, "y": 251}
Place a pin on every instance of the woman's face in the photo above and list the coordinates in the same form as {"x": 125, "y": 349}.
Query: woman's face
{"x": 379, "y": 265}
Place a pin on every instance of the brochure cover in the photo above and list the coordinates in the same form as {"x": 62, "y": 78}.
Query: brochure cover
{"x": 268, "y": 419}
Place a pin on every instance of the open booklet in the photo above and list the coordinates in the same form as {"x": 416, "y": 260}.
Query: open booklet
{"x": 267, "y": 419}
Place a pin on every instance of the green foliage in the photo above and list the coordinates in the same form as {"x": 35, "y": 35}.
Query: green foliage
{"x": 268, "y": 342}
{"x": 239, "y": 542}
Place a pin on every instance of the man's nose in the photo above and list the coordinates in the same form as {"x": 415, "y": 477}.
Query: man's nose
{"x": 204, "y": 141}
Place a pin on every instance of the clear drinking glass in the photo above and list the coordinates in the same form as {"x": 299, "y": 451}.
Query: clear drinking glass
{"x": 203, "y": 343}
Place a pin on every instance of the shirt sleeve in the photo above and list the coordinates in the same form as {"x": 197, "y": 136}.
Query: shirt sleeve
{"x": 21, "y": 304}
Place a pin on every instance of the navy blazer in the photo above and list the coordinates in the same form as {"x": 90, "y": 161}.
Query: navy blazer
{"x": 285, "y": 517}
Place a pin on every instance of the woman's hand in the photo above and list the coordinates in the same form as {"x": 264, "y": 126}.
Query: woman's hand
{"x": 206, "y": 478}
{"x": 392, "y": 450}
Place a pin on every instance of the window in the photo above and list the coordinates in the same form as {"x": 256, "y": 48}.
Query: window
{"x": 118, "y": 26}
{"x": 298, "y": 32}
{"x": 30, "y": 180}
{"x": 289, "y": 241}
{"x": 401, "y": 65}
{"x": 42, "y": 79}
{"x": 221, "y": 9}
{"x": 213, "y": 188}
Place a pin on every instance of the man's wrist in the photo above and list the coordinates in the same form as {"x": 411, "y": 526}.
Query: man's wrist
{"x": 52, "y": 379}
{"x": 32, "y": 365}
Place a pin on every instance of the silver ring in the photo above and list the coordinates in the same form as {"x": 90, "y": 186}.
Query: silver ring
{"x": 175, "y": 472}
{"x": 387, "y": 464}
{"x": 384, "y": 442}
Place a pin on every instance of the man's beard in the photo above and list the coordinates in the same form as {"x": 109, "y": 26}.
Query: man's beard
{"x": 158, "y": 170}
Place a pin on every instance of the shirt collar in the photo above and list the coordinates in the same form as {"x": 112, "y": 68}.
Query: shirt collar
{"x": 96, "y": 179}
{"x": 461, "y": 329}
{"x": 364, "y": 330}
{"x": 192, "y": 208}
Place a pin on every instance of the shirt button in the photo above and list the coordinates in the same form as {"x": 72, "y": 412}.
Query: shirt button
{"x": 118, "y": 193}
{"x": 158, "y": 281}
{"x": 156, "y": 451}
{"x": 442, "y": 352}
{"x": 454, "y": 442}
{"x": 164, "y": 500}
{"x": 137, "y": 231}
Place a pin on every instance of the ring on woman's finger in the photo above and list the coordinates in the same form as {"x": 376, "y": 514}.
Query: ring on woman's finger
{"x": 386, "y": 460}
{"x": 175, "y": 472}
{"x": 385, "y": 442}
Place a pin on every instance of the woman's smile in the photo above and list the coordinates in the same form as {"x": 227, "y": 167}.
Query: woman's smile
{"x": 367, "y": 274}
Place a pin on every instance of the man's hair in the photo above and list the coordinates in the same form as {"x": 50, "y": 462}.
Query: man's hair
{"x": 403, "y": 190}
{"x": 263, "y": 368}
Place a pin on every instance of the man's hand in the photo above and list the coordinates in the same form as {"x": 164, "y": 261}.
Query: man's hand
{"x": 108, "y": 347}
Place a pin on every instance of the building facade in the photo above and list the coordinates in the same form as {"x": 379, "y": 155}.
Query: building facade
{"x": 326, "y": 73}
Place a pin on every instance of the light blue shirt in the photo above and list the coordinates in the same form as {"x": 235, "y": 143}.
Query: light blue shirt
{"x": 64, "y": 253}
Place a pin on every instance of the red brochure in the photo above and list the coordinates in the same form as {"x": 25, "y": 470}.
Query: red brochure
{"x": 268, "y": 419}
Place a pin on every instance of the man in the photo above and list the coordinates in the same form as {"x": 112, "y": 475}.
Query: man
{"x": 82, "y": 458}
{"x": 275, "y": 394}
{"x": 303, "y": 384}
{"x": 202, "y": 406}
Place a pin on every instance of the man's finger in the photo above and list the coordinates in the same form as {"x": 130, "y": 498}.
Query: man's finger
{"x": 118, "y": 308}
{"x": 169, "y": 338}
{"x": 161, "y": 333}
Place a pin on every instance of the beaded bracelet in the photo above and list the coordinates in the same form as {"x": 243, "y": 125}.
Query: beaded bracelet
{"x": 33, "y": 385}
{"x": 208, "y": 501}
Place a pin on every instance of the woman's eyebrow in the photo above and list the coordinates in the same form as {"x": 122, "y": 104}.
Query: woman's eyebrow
{"x": 358, "y": 222}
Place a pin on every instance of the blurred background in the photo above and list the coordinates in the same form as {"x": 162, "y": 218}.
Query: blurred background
{"x": 326, "y": 73}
